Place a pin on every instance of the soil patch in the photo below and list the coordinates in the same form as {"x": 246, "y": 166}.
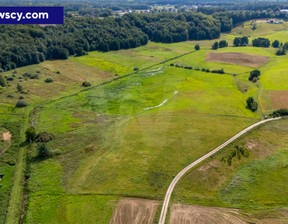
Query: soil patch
{"x": 135, "y": 211}
{"x": 7, "y": 136}
{"x": 279, "y": 98}
{"x": 242, "y": 59}
{"x": 191, "y": 214}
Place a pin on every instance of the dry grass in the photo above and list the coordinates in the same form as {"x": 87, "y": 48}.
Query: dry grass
{"x": 237, "y": 58}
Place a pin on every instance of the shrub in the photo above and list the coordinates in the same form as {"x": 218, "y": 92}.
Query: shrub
{"x": 21, "y": 97}
{"x": 197, "y": 47}
{"x": 251, "y": 104}
{"x": 171, "y": 64}
{"x": 21, "y": 103}
{"x": 34, "y": 76}
{"x": 44, "y": 137}
{"x": 86, "y": 84}
{"x": 10, "y": 79}
{"x": 43, "y": 151}
{"x": 10, "y": 96}
{"x": 49, "y": 80}
{"x": 19, "y": 87}
{"x": 136, "y": 69}
{"x": 280, "y": 112}
{"x": 30, "y": 134}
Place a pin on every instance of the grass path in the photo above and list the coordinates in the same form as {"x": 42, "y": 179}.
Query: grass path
{"x": 17, "y": 190}
{"x": 16, "y": 195}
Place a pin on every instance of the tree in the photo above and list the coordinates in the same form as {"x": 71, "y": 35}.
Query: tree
{"x": 251, "y": 104}
{"x": 254, "y": 74}
{"x": 261, "y": 42}
{"x": 275, "y": 44}
{"x": 19, "y": 87}
{"x": 30, "y": 134}
{"x": 244, "y": 41}
{"x": 215, "y": 46}
{"x": 223, "y": 43}
{"x": 197, "y": 47}
{"x": 43, "y": 151}
{"x": 237, "y": 41}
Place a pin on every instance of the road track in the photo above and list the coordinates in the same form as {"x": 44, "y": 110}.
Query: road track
{"x": 187, "y": 168}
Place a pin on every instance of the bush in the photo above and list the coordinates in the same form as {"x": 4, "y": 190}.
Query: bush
{"x": 30, "y": 134}
{"x": 43, "y": 151}
{"x": 49, "y": 80}
{"x": 136, "y": 69}
{"x": 44, "y": 137}
{"x": 10, "y": 96}
{"x": 86, "y": 84}
{"x": 21, "y": 103}
{"x": 10, "y": 79}
{"x": 21, "y": 97}
{"x": 197, "y": 47}
{"x": 219, "y": 71}
{"x": 2, "y": 81}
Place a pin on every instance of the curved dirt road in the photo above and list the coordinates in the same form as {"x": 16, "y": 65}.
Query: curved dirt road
{"x": 182, "y": 172}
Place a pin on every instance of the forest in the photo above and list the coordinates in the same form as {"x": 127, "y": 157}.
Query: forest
{"x": 31, "y": 44}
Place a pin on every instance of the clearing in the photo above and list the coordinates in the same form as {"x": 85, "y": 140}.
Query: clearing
{"x": 236, "y": 58}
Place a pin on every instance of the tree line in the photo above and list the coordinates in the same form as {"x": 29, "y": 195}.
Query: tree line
{"x": 31, "y": 44}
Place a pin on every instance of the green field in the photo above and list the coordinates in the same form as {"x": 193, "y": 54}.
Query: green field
{"x": 256, "y": 182}
{"x": 130, "y": 136}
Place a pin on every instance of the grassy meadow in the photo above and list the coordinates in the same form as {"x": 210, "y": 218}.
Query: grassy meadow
{"x": 131, "y": 136}
{"x": 257, "y": 182}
